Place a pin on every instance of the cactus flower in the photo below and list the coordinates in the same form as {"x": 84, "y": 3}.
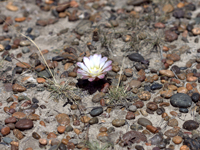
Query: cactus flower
{"x": 94, "y": 67}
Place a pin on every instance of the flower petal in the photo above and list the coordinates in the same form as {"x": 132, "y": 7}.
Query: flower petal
{"x": 82, "y": 72}
{"x": 108, "y": 63}
{"x": 101, "y": 76}
{"x": 107, "y": 69}
{"x": 91, "y": 79}
{"x": 87, "y": 62}
{"x": 102, "y": 61}
{"x": 81, "y": 65}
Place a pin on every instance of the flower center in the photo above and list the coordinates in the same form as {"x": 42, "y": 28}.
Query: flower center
{"x": 95, "y": 70}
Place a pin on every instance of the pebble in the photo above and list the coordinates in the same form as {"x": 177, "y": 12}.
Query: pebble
{"x": 170, "y": 36}
{"x": 132, "y": 108}
{"x": 7, "y": 140}
{"x": 93, "y": 120}
{"x": 156, "y": 139}
{"x": 190, "y": 125}
{"x": 97, "y": 97}
{"x": 181, "y": 100}
{"x": 45, "y": 73}
{"x": 144, "y": 95}
{"x": 51, "y": 135}
{"x": 11, "y": 7}
{"x": 130, "y": 115}
{"x": 178, "y": 13}
{"x": 36, "y": 136}
{"x": 167, "y": 73}
{"x": 24, "y": 124}
{"x": 144, "y": 122}
{"x": 177, "y": 139}
{"x": 5, "y": 131}
{"x": 190, "y": 144}
{"x": 19, "y": 115}
{"x": 118, "y": 122}
{"x": 172, "y": 122}
{"x": 156, "y": 86}
{"x": 195, "y": 97}
{"x": 144, "y": 112}
{"x": 196, "y": 31}
{"x": 174, "y": 57}
{"x": 18, "y": 88}
{"x": 136, "y": 57}
{"x": 134, "y": 84}
{"x": 96, "y": 111}
{"x": 152, "y": 106}
{"x": 168, "y": 8}
{"x": 172, "y": 132}
{"x": 10, "y": 120}
{"x": 18, "y": 134}
{"x": 63, "y": 119}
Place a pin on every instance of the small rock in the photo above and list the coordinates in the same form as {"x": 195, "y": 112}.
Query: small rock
{"x": 172, "y": 123}
{"x": 136, "y": 57}
{"x": 181, "y": 100}
{"x": 24, "y": 124}
{"x": 63, "y": 119}
{"x": 144, "y": 122}
{"x": 96, "y": 98}
{"x": 144, "y": 95}
{"x": 170, "y": 36}
{"x": 96, "y": 111}
{"x": 118, "y": 122}
{"x": 177, "y": 139}
{"x": 190, "y": 125}
{"x": 5, "y": 131}
{"x": 18, "y": 134}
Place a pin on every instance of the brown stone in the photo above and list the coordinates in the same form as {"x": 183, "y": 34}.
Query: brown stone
{"x": 152, "y": 129}
{"x": 18, "y": 88}
{"x": 42, "y": 123}
{"x": 166, "y": 94}
{"x": 177, "y": 139}
{"x": 18, "y": 134}
{"x": 33, "y": 117}
{"x": 43, "y": 141}
{"x": 172, "y": 87}
{"x": 85, "y": 119}
{"x": 174, "y": 57}
{"x": 5, "y": 131}
{"x": 63, "y": 119}
{"x": 159, "y": 25}
{"x": 135, "y": 84}
{"x": 168, "y": 8}
{"x": 182, "y": 90}
{"x": 103, "y": 129}
{"x": 51, "y": 135}
{"x": 23, "y": 65}
{"x": 20, "y": 19}
{"x": 144, "y": 95}
{"x": 19, "y": 115}
{"x": 10, "y": 120}
{"x": 130, "y": 115}
{"x": 61, "y": 129}
{"x": 167, "y": 73}
{"x": 172, "y": 123}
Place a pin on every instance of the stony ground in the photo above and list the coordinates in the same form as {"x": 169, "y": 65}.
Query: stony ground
{"x": 155, "y": 53}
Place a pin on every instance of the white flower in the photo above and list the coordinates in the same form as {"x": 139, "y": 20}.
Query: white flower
{"x": 94, "y": 67}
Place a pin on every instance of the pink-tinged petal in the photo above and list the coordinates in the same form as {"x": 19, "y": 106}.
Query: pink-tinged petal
{"x": 101, "y": 76}
{"x": 81, "y": 65}
{"x": 82, "y": 72}
{"x": 107, "y": 69}
{"x": 102, "y": 61}
{"x": 108, "y": 63}
{"x": 85, "y": 77}
{"x": 91, "y": 79}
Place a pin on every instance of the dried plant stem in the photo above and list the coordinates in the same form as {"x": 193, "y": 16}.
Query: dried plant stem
{"x": 41, "y": 55}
